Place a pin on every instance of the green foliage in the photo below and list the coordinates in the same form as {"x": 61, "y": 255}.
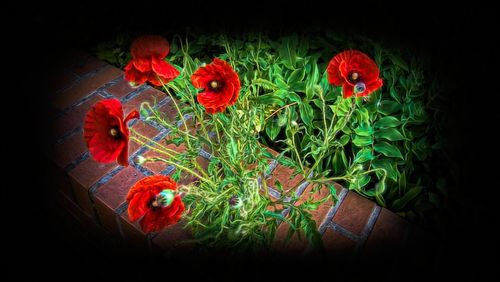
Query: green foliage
{"x": 380, "y": 146}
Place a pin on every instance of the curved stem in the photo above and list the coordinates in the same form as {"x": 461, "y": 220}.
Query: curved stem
{"x": 285, "y": 106}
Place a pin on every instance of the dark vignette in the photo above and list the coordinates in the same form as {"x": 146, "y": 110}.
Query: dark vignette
{"x": 455, "y": 40}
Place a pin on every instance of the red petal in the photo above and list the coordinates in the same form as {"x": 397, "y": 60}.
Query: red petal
{"x": 99, "y": 120}
{"x": 135, "y": 76}
{"x": 155, "y": 183}
{"x": 123, "y": 156}
{"x": 138, "y": 206}
{"x": 347, "y": 90}
{"x": 159, "y": 219}
{"x": 373, "y": 86}
{"x": 132, "y": 115}
{"x": 150, "y": 46}
{"x": 142, "y": 64}
{"x": 221, "y": 71}
{"x": 105, "y": 149}
{"x": 164, "y": 70}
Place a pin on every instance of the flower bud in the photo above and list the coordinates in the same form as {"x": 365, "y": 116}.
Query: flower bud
{"x": 140, "y": 160}
{"x": 235, "y": 202}
{"x": 165, "y": 198}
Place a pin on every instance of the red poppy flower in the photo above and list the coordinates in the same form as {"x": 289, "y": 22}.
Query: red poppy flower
{"x": 106, "y": 132}
{"x": 148, "y": 61}
{"x": 221, "y": 85}
{"x": 154, "y": 198}
{"x": 355, "y": 71}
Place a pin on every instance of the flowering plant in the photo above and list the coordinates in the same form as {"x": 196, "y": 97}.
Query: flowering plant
{"x": 225, "y": 106}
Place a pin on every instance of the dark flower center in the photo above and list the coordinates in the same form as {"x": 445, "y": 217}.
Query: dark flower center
{"x": 215, "y": 85}
{"x": 163, "y": 199}
{"x": 354, "y": 77}
{"x": 115, "y": 133}
{"x": 154, "y": 204}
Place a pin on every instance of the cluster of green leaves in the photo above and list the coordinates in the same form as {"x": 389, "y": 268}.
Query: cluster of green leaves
{"x": 381, "y": 146}
{"x": 114, "y": 51}
{"x": 383, "y": 149}
{"x": 239, "y": 161}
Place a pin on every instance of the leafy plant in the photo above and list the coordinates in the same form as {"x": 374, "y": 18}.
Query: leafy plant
{"x": 381, "y": 147}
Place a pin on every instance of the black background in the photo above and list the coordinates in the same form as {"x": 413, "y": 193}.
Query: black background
{"x": 458, "y": 41}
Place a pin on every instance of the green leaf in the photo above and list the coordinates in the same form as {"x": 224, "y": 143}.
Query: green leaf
{"x": 212, "y": 166}
{"x": 364, "y": 129}
{"x": 282, "y": 119}
{"x": 388, "y": 150}
{"x": 388, "y": 166}
{"x": 394, "y": 94}
{"x": 267, "y": 154}
{"x": 387, "y": 122}
{"x": 296, "y": 76}
{"x": 281, "y": 83}
{"x": 364, "y": 155}
{"x": 399, "y": 62}
{"x": 176, "y": 175}
{"x": 293, "y": 97}
{"x": 390, "y": 134}
{"x": 306, "y": 113}
{"x": 408, "y": 196}
{"x": 272, "y": 128}
{"x": 339, "y": 161}
{"x": 286, "y": 161}
{"x": 388, "y": 107}
{"x": 270, "y": 99}
{"x": 232, "y": 149}
{"x": 278, "y": 216}
{"x": 362, "y": 141}
{"x": 287, "y": 52}
{"x": 379, "y": 191}
{"x": 344, "y": 139}
{"x": 360, "y": 181}
{"x": 266, "y": 84}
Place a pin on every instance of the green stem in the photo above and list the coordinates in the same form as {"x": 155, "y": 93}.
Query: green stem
{"x": 184, "y": 168}
{"x": 177, "y": 108}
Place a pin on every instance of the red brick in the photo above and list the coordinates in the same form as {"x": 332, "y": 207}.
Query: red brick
{"x": 149, "y": 95}
{"x": 173, "y": 239}
{"x": 63, "y": 154}
{"x": 354, "y": 213}
{"x": 84, "y": 176}
{"x": 87, "y": 65}
{"x": 298, "y": 245}
{"x": 337, "y": 245}
{"x": 283, "y": 174}
{"x": 72, "y": 119}
{"x": 85, "y": 87}
{"x": 318, "y": 214}
{"x": 120, "y": 89}
{"x": 155, "y": 167}
{"x": 387, "y": 234}
{"x": 169, "y": 112}
{"x": 143, "y": 129}
{"x": 109, "y": 196}
{"x": 187, "y": 178}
